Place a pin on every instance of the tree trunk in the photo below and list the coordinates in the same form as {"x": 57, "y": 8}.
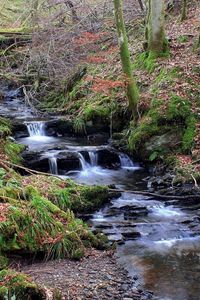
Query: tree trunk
{"x": 132, "y": 91}
{"x": 184, "y": 10}
{"x": 157, "y": 44}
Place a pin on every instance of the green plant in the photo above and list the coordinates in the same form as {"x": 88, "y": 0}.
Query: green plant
{"x": 5, "y": 127}
{"x": 189, "y": 134}
{"x": 183, "y": 39}
{"x": 16, "y": 285}
{"x": 79, "y": 125}
{"x": 178, "y": 108}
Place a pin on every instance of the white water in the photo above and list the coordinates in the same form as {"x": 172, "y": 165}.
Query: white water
{"x": 93, "y": 158}
{"x": 53, "y": 165}
{"x": 36, "y": 129}
{"x": 127, "y": 163}
{"x": 164, "y": 240}
{"x": 162, "y": 211}
{"x": 85, "y": 166}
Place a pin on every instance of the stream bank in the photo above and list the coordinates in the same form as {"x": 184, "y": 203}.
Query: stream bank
{"x": 29, "y": 197}
{"x": 153, "y": 238}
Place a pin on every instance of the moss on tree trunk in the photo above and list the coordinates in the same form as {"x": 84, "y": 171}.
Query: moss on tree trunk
{"x": 132, "y": 91}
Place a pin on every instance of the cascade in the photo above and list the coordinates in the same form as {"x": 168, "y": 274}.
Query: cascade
{"x": 93, "y": 158}
{"x": 83, "y": 162}
{"x": 36, "y": 128}
{"x": 53, "y": 165}
{"x": 125, "y": 160}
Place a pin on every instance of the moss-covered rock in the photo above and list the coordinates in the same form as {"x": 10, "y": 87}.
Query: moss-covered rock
{"x": 165, "y": 128}
{"x": 66, "y": 194}
{"x": 15, "y": 285}
{"x": 80, "y": 199}
{"x": 19, "y": 286}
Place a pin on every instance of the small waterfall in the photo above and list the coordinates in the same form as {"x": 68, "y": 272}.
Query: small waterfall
{"x": 36, "y": 128}
{"x": 53, "y": 165}
{"x": 125, "y": 160}
{"x": 83, "y": 162}
{"x": 93, "y": 158}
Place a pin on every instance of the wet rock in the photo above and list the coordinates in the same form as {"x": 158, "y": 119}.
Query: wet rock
{"x": 19, "y": 130}
{"x": 132, "y": 213}
{"x": 160, "y": 182}
{"x": 33, "y": 160}
{"x": 130, "y": 235}
{"x": 59, "y": 127}
{"x": 108, "y": 159}
{"x": 99, "y": 138}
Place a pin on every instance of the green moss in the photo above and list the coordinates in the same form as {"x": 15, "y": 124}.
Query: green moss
{"x": 12, "y": 150}
{"x": 5, "y": 127}
{"x": 178, "y": 108}
{"x": 197, "y": 176}
{"x": 177, "y": 117}
{"x": 143, "y": 132}
{"x": 145, "y": 61}
{"x": 33, "y": 223}
{"x": 3, "y": 262}
{"x": 8, "y": 147}
{"x": 183, "y": 39}
{"x": 148, "y": 126}
{"x": 14, "y": 285}
{"x": 80, "y": 198}
{"x": 94, "y": 111}
{"x": 189, "y": 134}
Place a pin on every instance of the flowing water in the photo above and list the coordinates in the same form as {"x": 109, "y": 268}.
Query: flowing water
{"x": 154, "y": 239}
{"x": 36, "y": 129}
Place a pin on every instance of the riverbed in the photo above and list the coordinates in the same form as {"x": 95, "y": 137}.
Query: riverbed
{"x": 158, "y": 242}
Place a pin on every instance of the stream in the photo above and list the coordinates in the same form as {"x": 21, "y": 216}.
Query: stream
{"x": 158, "y": 242}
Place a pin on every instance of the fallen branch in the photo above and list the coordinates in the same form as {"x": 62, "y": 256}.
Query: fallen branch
{"x": 28, "y": 170}
{"x": 146, "y": 193}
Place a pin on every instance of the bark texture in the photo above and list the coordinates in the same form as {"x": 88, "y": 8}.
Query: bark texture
{"x": 157, "y": 44}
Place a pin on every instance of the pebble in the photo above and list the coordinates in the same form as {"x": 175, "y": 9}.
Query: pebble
{"x": 96, "y": 277}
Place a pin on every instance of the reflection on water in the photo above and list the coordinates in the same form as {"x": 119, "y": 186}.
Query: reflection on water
{"x": 174, "y": 274}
